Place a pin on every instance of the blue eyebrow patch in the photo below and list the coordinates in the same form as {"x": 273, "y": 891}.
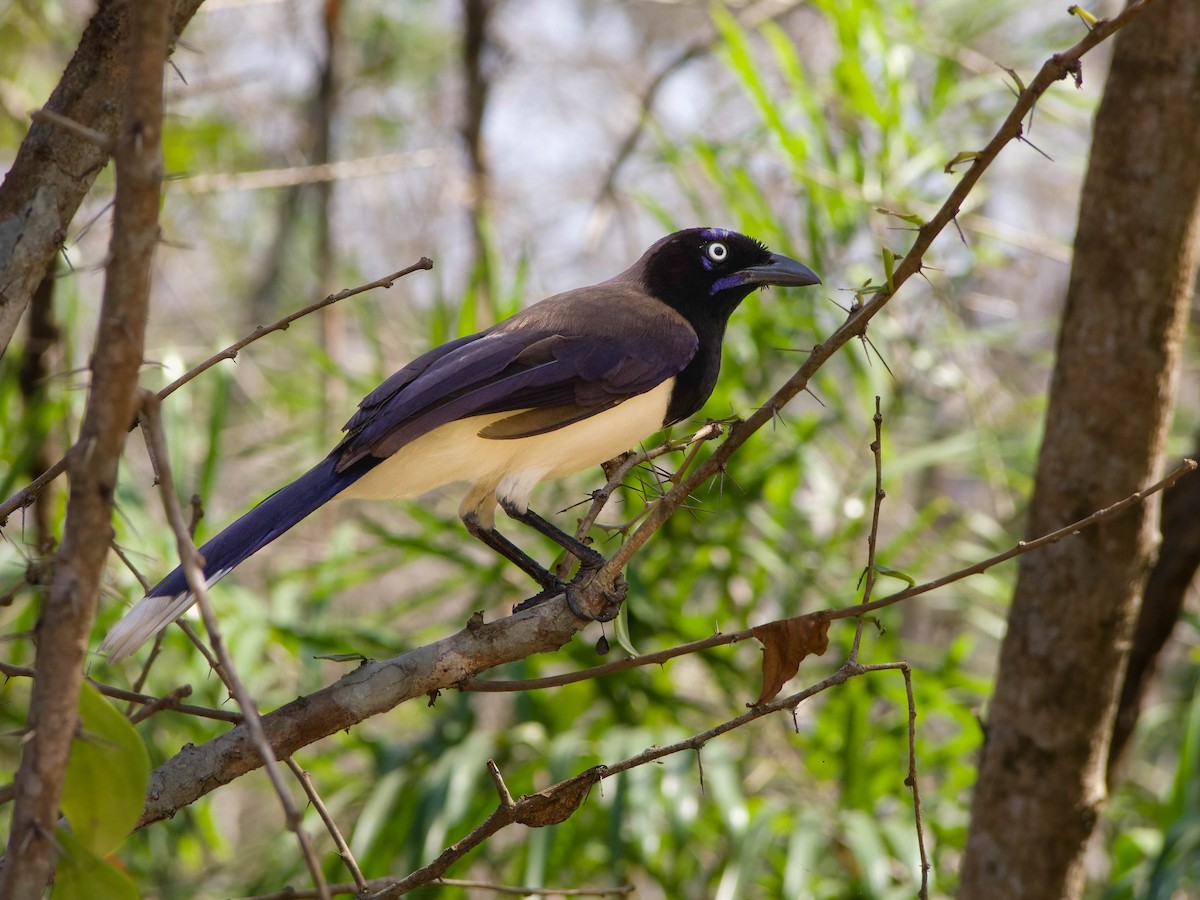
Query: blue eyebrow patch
{"x": 715, "y": 234}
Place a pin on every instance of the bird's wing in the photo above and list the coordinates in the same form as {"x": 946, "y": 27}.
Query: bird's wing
{"x": 558, "y": 362}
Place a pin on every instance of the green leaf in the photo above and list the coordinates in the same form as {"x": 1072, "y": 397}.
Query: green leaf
{"x": 959, "y": 158}
{"x": 621, "y": 628}
{"x": 107, "y": 775}
{"x": 896, "y": 573}
{"x": 82, "y": 875}
{"x": 889, "y": 266}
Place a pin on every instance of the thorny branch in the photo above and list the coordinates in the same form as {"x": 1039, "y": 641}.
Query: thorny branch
{"x": 193, "y": 569}
{"x": 28, "y": 494}
{"x": 1059, "y": 66}
{"x": 554, "y": 801}
{"x": 171, "y": 701}
{"x": 825, "y": 615}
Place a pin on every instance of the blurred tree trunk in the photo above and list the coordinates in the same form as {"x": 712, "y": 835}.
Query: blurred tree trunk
{"x": 1162, "y": 606}
{"x": 477, "y": 84}
{"x": 1041, "y": 785}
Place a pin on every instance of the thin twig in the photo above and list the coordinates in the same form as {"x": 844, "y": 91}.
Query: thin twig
{"x": 617, "y": 474}
{"x": 847, "y": 612}
{"x": 623, "y": 890}
{"x": 30, "y": 492}
{"x": 873, "y": 535}
{"x": 291, "y": 176}
{"x": 502, "y": 790}
{"x": 755, "y": 16}
{"x": 1021, "y": 547}
{"x": 167, "y": 701}
{"x": 190, "y": 562}
{"x": 1057, "y": 67}
{"x": 330, "y": 825}
{"x": 571, "y": 791}
{"x": 912, "y": 780}
{"x": 232, "y": 350}
{"x": 8, "y": 670}
{"x": 378, "y": 884}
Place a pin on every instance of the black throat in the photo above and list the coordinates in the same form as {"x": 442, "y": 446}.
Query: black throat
{"x": 694, "y": 385}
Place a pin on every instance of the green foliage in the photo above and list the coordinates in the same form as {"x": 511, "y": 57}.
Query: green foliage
{"x": 1156, "y": 834}
{"x": 827, "y": 130}
{"x": 102, "y": 799}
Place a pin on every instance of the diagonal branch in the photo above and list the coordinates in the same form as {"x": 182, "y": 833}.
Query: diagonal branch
{"x": 30, "y": 492}
{"x": 1056, "y": 68}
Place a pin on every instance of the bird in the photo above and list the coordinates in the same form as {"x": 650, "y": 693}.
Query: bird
{"x": 563, "y": 385}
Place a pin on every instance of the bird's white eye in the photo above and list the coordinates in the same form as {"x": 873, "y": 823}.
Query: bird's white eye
{"x": 717, "y": 251}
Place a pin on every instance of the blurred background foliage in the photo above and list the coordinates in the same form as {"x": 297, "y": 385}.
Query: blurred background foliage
{"x": 795, "y": 122}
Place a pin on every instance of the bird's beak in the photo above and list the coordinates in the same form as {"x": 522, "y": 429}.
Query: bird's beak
{"x": 782, "y": 271}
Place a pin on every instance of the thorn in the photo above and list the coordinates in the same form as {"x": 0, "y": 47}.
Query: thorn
{"x": 962, "y": 237}
{"x": 1025, "y": 140}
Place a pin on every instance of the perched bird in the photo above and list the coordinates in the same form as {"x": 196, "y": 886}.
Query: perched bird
{"x": 563, "y": 385}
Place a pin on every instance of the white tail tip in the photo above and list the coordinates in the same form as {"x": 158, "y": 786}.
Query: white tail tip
{"x": 148, "y": 616}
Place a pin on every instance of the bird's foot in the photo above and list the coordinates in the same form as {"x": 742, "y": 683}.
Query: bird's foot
{"x": 586, "y": 598}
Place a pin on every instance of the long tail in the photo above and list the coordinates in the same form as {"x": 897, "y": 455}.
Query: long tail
{"x": 249, "y": 534}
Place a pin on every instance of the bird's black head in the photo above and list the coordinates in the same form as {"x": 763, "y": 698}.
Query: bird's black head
{"x": 704, "y": 273}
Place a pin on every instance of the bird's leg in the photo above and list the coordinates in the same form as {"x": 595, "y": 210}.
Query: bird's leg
{"x": 550, "y": 583}
{"x": 589, "y": 559}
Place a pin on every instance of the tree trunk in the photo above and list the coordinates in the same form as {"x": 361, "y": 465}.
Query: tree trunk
{"x": 1041, "y": 783}
{"x": 63, "y": 628}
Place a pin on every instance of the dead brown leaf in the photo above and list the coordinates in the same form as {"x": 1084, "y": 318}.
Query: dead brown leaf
{"x": 555, "y": 804}
{"x": 785, "y": 644}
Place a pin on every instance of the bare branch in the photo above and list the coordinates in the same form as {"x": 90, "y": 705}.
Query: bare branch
{"x": 330, "y": 825}
{"x": 1022, "y": 547}
{"x": 63, "y": 628}
{"x": 873, "y": 534}
{"x": 372, "y": 688}
{"x": 718, "y": 640}
{"x": 193, "y": 569}
{"x": 170, "y": 701}
{"x": 27, "y": 495}
{"x": 291, "y": 176}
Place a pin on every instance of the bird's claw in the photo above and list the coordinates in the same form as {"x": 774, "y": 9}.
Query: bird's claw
{"x": 600, "y": 603}
{"x": 550, "y": 591}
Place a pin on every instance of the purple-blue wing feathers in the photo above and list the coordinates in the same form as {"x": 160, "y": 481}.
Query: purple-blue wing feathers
{"x": 564, "y": 377}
